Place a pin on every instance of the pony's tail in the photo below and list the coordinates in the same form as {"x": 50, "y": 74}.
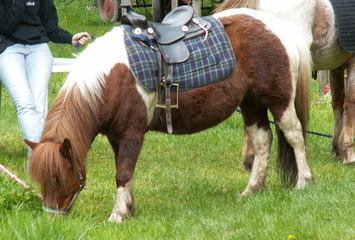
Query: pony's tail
{"x": 286, "y": 158}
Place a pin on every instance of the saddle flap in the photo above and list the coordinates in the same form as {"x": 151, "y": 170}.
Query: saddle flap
{"x": 176, "y": 52}
{"x": 179, "y": 16}
{"x": 166, "y": 34}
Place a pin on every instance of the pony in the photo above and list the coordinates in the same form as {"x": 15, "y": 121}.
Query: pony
{"x": 318, "y": 24}
{"x": 101, "y": 95}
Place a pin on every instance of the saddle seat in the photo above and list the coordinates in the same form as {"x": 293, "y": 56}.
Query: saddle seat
{"x": 177, "y": 25}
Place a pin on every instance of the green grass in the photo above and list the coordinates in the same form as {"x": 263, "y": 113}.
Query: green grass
{"x": 186, "y": 187}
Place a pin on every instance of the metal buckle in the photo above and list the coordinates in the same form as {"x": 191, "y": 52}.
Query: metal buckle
{"x": 159, "y": 92}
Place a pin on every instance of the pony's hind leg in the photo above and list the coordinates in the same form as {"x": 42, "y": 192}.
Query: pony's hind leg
{"x": 248, "y": 152}
{"x": 349, "y": 114}
{"x": 258, "y": 129}
{"x": 338, "y": 95}
{"x": 126, "y": 155}
{"x": 292, "y": 130}
{"x": 343, "y": 102}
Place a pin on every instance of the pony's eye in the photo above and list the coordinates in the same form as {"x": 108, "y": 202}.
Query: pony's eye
{"x": 63, "y": 182}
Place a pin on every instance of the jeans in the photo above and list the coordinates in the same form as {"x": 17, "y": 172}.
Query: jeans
{"x": 25, "y": 71}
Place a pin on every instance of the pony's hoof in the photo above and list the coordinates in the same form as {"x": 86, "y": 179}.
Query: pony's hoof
{"x": 304, "y": 183}
{"x": 247, "y": 193}
{"x": 115, "y": 218}
{"x": 349, "y": 162}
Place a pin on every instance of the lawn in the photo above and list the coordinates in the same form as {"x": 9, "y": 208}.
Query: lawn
{"x": 186, "y": 187}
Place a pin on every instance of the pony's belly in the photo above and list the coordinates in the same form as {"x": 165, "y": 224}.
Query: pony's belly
{"x": 202, "y": 108}
{"x": 324, "y": 59}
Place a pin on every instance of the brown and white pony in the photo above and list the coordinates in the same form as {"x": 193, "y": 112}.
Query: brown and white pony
{"x": 317, "y": 21}
{"x": 101, "y": 95}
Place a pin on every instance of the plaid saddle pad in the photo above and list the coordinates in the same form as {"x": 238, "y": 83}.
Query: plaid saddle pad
{"x": 210, "y": 60}
{"x": 345, "y": 16}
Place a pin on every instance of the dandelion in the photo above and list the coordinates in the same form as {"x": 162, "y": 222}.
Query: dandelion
{"x": 291, "y": 236}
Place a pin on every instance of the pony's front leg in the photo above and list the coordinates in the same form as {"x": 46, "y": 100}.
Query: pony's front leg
{"x": 261, "y": 139}
{"x": 126, "y": 153}
{"x": 124, "y": 205}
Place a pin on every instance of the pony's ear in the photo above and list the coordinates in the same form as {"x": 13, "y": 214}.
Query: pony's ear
{"x": 32, "y": 145}
{"x": 65, "y": 148}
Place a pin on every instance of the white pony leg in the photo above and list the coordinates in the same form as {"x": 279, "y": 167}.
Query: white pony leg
{"x": 124, "y": 205}
{"x": 292, "y": 129}
{"x": 261, "y": 141}
{"x": 349, "y": 147}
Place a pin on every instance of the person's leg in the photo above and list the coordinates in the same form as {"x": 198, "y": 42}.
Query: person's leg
{"x": 14, "y": 77}
{"x": 39, "y": 63}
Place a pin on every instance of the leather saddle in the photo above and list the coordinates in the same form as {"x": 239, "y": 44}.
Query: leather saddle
{"x": 178, "y": 25}
{"x": 167, "y": 39}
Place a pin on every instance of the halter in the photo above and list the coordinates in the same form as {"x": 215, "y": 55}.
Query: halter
{"x": 75, "y": 196}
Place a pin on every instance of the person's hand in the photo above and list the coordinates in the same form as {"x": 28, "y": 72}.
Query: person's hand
{"x": 80, "y": 38}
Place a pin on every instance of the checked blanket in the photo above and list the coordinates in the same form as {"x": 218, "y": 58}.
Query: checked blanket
{"x": 211, "y": 60}
{"x": 345, "y": 16}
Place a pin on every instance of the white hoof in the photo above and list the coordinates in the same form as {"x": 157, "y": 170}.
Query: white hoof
{"x": 115, "y": 218}
{"x": 304, "y": 182}
{"x": 348, "y": 162}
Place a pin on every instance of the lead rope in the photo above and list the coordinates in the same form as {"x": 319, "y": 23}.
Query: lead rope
{"x": 13, "y": 176}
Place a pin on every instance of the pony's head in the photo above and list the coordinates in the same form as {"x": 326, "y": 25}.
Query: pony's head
{"x": 51, "y": 165}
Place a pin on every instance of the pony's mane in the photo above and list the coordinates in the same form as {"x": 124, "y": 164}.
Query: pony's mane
{"x": 228, "y": 4}
{"x": 44, "y": 167}
{"x": 72, "y": 114}
{"x": 71, "y": 117}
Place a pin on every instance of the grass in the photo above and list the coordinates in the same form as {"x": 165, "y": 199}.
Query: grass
{"x": 186, "y": 187}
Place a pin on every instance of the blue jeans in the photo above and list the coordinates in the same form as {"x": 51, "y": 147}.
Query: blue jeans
{"x": 25, "y": 71}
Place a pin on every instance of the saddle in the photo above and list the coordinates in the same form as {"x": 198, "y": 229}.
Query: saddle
{"x": 178, "y": 25}
{"x": 167, "y": 39}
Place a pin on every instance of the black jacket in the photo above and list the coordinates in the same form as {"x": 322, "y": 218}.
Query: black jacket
{"x": 31, "y": 22}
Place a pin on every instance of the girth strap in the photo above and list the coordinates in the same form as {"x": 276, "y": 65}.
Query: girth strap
{"x": 167, "y": 85}
{"x": 164, "y": 89}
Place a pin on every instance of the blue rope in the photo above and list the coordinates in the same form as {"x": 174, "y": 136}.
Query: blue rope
{"x": 311, "y": 132}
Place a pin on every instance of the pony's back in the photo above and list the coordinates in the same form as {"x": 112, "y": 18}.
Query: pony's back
{"x": 229, "y": 4}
